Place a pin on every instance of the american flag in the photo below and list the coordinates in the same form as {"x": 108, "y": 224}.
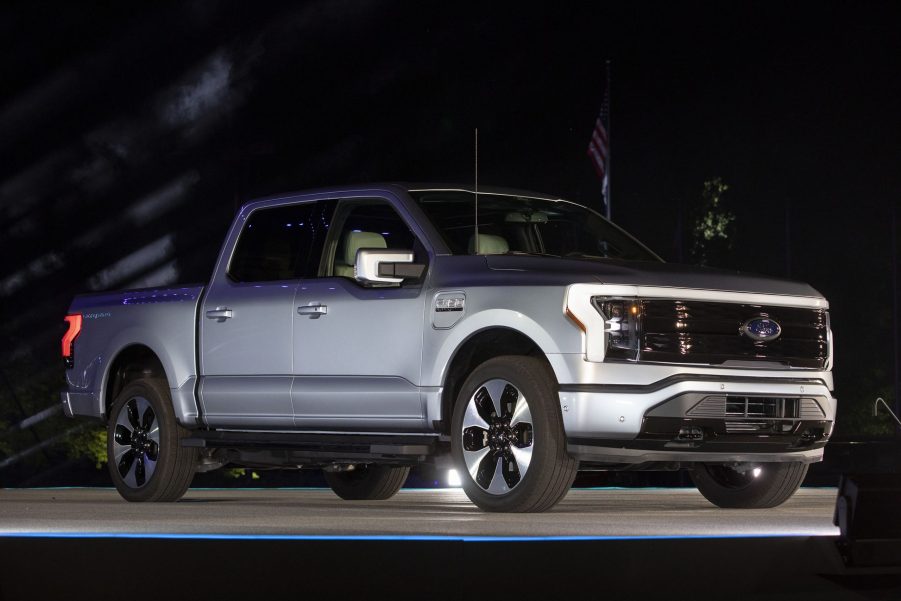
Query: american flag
{"x": 599, "y": 145}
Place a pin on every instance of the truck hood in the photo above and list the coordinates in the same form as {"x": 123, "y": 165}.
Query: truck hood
{"x": 645, "y": 273}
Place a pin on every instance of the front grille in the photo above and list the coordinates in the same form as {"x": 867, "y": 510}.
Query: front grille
{"x": 810, "y": 409}
{"x": 674, "y": 331}
{"x": 734, "y": 407}
{"x": 718, "y": 419}
{"x": 761, "y": 407}
{"x": 748, "y": 427}
{"x": 756, "y": 414}
{"x": 713, "y": 407}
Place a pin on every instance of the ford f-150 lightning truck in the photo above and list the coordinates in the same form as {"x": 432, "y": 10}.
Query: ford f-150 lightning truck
{"x": 517, "y": 336}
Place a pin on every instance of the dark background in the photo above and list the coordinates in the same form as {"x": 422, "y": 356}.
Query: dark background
{"x": 130, "y": 134}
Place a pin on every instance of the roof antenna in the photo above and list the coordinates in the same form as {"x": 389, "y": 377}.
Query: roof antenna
{"x": 477, "y": 245}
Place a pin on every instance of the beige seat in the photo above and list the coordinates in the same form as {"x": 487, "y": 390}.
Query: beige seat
{"x": 354, "y": 241}
{"x": 489, "y": 245}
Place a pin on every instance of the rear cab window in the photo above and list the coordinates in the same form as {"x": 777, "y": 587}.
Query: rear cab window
{"x": 279, "y": 243}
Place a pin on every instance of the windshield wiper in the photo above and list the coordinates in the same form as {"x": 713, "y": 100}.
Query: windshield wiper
{"x": 581, "y": 255}
{"x": 536, "y": 254}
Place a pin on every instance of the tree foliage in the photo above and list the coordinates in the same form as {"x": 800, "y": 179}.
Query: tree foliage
{"x": 240, "y": 473}
{"x": 855, "y": 410}
{"x": 713, "y": 225}
{"x": 29, "y": 384}
{"x": 89, "y": 442}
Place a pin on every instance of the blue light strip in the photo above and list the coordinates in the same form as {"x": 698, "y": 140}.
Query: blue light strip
{"x": 388, "y": 537}
{"x": 414, "y": 489}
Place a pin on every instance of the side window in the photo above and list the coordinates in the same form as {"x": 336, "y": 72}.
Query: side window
{"x": 373, "y": 224}
{"x": 278, "y": 244}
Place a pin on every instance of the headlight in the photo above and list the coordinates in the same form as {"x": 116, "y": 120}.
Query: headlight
{"x": 622, "y": 319}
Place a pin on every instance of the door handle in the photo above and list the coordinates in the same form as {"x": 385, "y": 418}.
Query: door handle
{"x": 220, "y": 313}
{"x": 312, "y": 310}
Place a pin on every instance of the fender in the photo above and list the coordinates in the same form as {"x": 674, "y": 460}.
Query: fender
{"x": 179, "y": 372}
{"x": 434, "y": 374}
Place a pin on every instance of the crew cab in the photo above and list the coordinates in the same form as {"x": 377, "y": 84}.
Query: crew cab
{"x": 518, "y": 336}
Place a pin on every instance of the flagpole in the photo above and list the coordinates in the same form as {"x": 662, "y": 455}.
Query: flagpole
{"x": 895, "y": 317}
{"x": 607, "y": 195}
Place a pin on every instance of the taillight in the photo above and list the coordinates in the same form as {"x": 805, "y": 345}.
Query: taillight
{"x": 69, "y": 339}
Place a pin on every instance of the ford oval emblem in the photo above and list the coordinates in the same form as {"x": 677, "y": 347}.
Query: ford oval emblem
{"x": 763, "y": 329}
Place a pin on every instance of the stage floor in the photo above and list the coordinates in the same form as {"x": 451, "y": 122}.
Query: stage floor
{"x": 659, "y": 544}
{"x": 412, "y": 512}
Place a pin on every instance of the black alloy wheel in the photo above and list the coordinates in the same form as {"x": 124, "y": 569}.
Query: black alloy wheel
{"x": 145, "y": 456}
{"x": 136, "y": 442}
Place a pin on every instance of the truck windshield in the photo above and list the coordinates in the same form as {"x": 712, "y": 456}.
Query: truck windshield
{"x": 511, "y": 224}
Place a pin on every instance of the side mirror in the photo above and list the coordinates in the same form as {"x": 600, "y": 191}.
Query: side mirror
{"x": 385, "y": 266}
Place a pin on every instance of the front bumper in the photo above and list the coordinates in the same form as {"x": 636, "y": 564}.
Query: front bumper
{"x": 597, "y": 452}
{"x": 676, "y": 420}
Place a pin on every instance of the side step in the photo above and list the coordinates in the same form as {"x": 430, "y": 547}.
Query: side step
{"x": 323, "y": 446}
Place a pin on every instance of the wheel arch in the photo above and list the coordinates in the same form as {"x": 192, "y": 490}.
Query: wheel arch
{"x": 474, "y": 350}
{"x": 130, "y": 363}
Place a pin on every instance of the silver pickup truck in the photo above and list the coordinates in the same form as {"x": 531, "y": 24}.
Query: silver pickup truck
{"x": 515, "y": 336}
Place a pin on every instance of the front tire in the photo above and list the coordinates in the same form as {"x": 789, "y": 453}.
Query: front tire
{"x": 145, "y": 457}
{"x": 368, "y": 482}
{"x": 748, "y": 485}
{"x": 507, "y": 437}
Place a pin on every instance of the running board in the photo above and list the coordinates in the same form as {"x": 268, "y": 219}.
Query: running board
{"x": 323, "y": 445}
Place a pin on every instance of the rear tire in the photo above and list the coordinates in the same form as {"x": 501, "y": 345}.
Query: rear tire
{"x": 144, "y": 453}
{"x": 368, "y": 482}
{"x": 748, "y": 485}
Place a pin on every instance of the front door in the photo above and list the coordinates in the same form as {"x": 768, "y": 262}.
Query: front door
{"x": 357, "y": 350}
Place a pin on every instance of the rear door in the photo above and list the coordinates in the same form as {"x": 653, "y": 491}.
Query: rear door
{"x": 247, "y": 317}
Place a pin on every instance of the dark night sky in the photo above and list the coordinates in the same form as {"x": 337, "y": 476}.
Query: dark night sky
{"x": 128, "y": 135}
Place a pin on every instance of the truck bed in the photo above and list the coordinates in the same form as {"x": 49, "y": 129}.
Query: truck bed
{"x": 161, "y": 319}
